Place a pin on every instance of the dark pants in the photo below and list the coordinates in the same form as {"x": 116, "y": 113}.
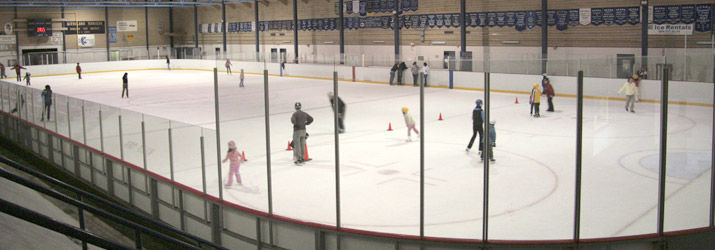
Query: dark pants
{"x": 228, "y": 69}
{"x": 19, "y": 77}
{"x": 476, "y": 129}
{"x": 46, "y": 109}
{"x": 415, "y": 78}
{"x": 535, "y": 108}
{"x": 551, "y": 105}
{"x": 2, "y": 74}
{"x": 125, "y": 89}
{"x": 341, "y": 125}
{"x": 392, "y": 76}
{"x": 399, "y": 77}
{"x": 79, "y": 74}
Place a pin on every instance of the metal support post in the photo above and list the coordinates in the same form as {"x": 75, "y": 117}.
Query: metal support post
{"x": 101, "y": 133}
{"x": 579, "y": 154}
{"x": 84, "y": 125}
{"x": 143, "y": 143}
{"x": 422, "y": 160}
{"x": 663, "y": 150}
{"x": 218, "y": 134}
{"x": 121, "y": 139}
{"x": 295, "y": 30}
{"x": 258, "y": 43}
{"x": 485, "y": 153}
{"x": 268, "y": 141}
{"x": 544, "y": 36}
{"x": 203, "y": 165}
{"x": 171, "y": 156}
{"x": 69, "y": 121}
{"x": 337, "y": 148}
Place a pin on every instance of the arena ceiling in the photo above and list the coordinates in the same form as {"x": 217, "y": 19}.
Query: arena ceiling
{"x": 120, "y": 3}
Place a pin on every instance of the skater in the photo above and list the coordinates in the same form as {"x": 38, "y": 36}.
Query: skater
{"x": 425, "y": 73}
{"x": 341, "y": 111}
{"x": 27, "y": 78}
{"x": 393, "y": 70}
{"x": 631, "y": 94}
{"x": 18, "y": 72}
{"x": 410, "y": 123}
{"x": 492, "y": 141}
{"x": 168, "y": 63}
{"x": 535, "y": 100}
{"x": 2, "y": 71}
{"x": 235, "y": 163}
{"x": 228, "y": 66}
{"x": 242, "y": 77}
{"x": 47, "y": 101}
{"x": 637, "y": 81}
{"x": 642, "y": 73}
{"x": 415, "y": 73}
{"x": 79, "y": 71}
{"x": 400, "y": 72}
{"x": 299, "y": 119}
{"x": 549, "y": 92}
{"x": 125, "y": 84}
{"x": 477, "y": 125}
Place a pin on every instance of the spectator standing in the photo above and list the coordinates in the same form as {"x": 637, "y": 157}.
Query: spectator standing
{"x": 415, "y": 73}
{"x": 79, "y": 71}
{"x": 400, "y": 72}
{"x": 47, "y": 102}
{"x": 393, "y": 70}
{"x": 425, "y": 73}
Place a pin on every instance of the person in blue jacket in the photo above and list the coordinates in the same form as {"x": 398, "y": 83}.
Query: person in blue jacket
{"x": 492, "y": 141}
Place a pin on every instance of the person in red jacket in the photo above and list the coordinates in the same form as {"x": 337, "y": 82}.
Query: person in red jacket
{"x": 18, "y": 72}
{"x": 549, "y": 92}
{"x": 2, "y": 71}
{"x": 79, "y": 71}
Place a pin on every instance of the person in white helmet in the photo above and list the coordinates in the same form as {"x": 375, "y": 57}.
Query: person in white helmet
{"x": 299, "y": 119}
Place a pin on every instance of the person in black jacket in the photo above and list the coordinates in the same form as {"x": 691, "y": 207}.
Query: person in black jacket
{"x": 47, "y": 102}
{"x": 341, "y": 111}
{"x": 400, "y": 71}
{"x": 299, "y": 119}
{"x": 477, "y": 125}
{"x": 393, "y": 70}
{"x": 125, "y": 84}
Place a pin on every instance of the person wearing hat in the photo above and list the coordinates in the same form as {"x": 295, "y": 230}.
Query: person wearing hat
{"x": 410, "y": 123}
{"x": 235, "y": 158}
{"x": 477, "y": 125}
{"x": 535, "y": 100}
{"x": 299, "y": 119}
{"x": 341, "y": 111}
{"x": 631, "y": 94}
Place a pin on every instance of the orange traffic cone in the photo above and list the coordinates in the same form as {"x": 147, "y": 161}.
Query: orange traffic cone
{"x": 306, "y": 158}
{"x": 243, "y": 156}
{"x": 516, "y": 101}
{"x": 289, "y": 148}
{"x": 389, "y": 128}
{"x": 440, "y": 116}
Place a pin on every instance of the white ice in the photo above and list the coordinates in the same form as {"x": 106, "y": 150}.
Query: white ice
{"x": 531, "y": 189}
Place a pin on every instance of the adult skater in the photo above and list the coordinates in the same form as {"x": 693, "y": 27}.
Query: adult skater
{"x": 393, "y": 70}
{"x": 228, "y": 66}
{"x": 235, "y": 163}
{"x": 425, "y": 74}
{"x": 79, "y": 71}
{"x": 47, "y": 102}
{"x": 410, "y": 123}
{"x": 2, "y": 71}
{"x": 415, "y": 73}
{"x": 535, "y": 100}
{"x": 242, "y": 77}
{"x": 400, "y": 72}
{"x": 637, "y": 81}
{"x": 168, "y": 63}
{"x": 125, "y": 84}
{"x": 341, "y": 111}
{"x": 18, "y": 72}
{"x": 477, "y": 125}
{"x": 27, "y": 78}
{"x": 492, "y": 141}
{"x": 299, "y": 119}
{"x": 549, "y": 92}
{"x": 642, "y": 73}
{"x": 631, "y": 93}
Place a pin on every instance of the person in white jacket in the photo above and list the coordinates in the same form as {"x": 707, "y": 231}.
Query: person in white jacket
{"x": 631, "y": 94}
{"x": 425, "y": 74}
{"x": 410, "y": 123}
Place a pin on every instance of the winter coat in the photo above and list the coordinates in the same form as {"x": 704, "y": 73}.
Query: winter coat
{"x": 492, "y": 134}
{"x": 79, "y": 69}
{"x": 408, "y": 120}
{"x": 535, "y": 96}
{"x": 394, "y": 67}
{"x": 425, "y": 70}
{"x": 47, "y": 96}
{"x": 630, "y": 88}
{"x": 549, "y": 90}
{"x": 415, "y": 69}
{"x": 300, "y": 119}
{"x": 341, "y": 105}
{"x": 478, "y": 117}
{"x": 402, "y": 66}
{"x": 234, "y": 156}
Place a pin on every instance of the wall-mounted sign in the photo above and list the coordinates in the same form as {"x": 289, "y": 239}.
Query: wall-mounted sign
{"x": 85, "y": 41}
{"x": 126, "y": 26}
{"x": 8, "y": 29}
{"x": 670, "y": 29}
{"x": 84, "y": 27}
{"x": 112, "y": 34}
{"x": 56, "y": 38}
{"x": 7, "y": 39}
{"x": 130, "y": 37}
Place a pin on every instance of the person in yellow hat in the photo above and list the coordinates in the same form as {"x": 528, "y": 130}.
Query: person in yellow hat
{"x": 410, "y": 123}
{"x": 535, "y": 100}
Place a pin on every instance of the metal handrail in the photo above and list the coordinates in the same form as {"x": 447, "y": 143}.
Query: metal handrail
{"x": 92, "y": 209}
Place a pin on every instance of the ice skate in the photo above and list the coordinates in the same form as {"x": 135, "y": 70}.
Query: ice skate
{"x": 492, "y": 160}
{"x": 467, "y": 150}
{"x": 409, "y": 139}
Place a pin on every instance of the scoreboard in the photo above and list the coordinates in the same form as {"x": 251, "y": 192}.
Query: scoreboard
{"x": 39, "y": 27}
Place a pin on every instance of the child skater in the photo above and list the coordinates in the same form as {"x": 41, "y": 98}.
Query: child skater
{"x": 410, "y": 123}
{"x": 242, "y": 77}
{"x": 27, "y": 78}
{"x": 492, "y": 141}
{"x": 535, "y": 100}
{"x": 235, "y": 158}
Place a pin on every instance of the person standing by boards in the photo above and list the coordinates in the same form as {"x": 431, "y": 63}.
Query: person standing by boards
{"x": 79, "y": 71}
{"x": 125, "y": 84}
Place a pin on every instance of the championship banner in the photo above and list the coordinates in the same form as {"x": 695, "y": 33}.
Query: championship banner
{"x": 573, "y": 17}
{"x": 659, "y": 14}
{"x": 530, "y": 20}
{"x": 482, "y": 19}
{"x": 363, "y": 8}
{"x": 448, "y": 20}
{"x": 609, "y": 16}
{"x": 457, "y": 20}
{"x": 670, "y": 29}
{"x": 551, "y": 17}
{"x": 501, "y": 19}
{"x": 596, "y": 16}
{"x": 415, "y": 5}
{"x": 621, "y": 16}
{"x": 562, "y": 20}
{"x": 510, "y": 18}
{"x": 687, "y": 14}
{"x": 491, "y": 19}
{"x": 584, "y": 16}
{"x": 634, "y": 15}
{"x": 703, "y": 21}
{"x": 539, "y": 18}
{"x": 439, "y": 21}
{"x": 423, "y": 22}
{"x": 520, "y": 24}
{"x": 85, "y": 41}
{"x": 430, "y": 21}
{"x": 415, "y": 21}
{"x": 673, "y": 14}
{"x": 348, "y": 7}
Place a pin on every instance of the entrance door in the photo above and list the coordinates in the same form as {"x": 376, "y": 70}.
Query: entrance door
{"x": 39, "y": 56}
{"x": 625, "y": 64}
{"x": 274, "y": 55}
{"x": 218, "y": 53}
{"x": 283, "y": 55}
{"x": 466, "y": 61}
{"x": 449, "y": 57}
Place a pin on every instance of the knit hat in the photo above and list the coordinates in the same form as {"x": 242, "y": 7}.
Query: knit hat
{"x": 298, "y": 106}
{"x": 479, "y": 102}
{"x": 536, "y": 85}
{"x": 231, "y": 144}
{"x": 404, "y": 110}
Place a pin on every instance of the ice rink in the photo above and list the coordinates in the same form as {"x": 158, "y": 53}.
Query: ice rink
{"x": 531, "y": 183}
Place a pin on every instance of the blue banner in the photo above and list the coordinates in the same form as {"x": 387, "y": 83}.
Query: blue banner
{"x": 530, "y": 19}
{"x": 621, "y": 16}
{"x": 562, "y": 17}
{"x": 430, "y": 21}
{"x": 574, "y": 17}
{"x": 659, "y": 15}
{"x": 551, "y": 17}
{"x": 414, "y": 6}
{"x": 609, "y": 16}
{"x": 456, "y": 20}
{"x": 112, "y": 34}
{"x": 369, "y": 6}
{"x": 415, "y": 21}
{"x": 473, "y": 20}
{"x": 703, "y": 14}
{"x": 501, "y": 19}
{"x": 439, "y": 20}
{"x": 687, "y": 14}
{"x": 491, "y": 19}
{"x": 596, "y": 16}
{"x": 482, "y": 19}
{"x": 539, "y": 18}
{"x": 363, "y": 7}
{"x": 673, "y": 13}
{"x": 510, "y": 18}
{"x": 634, "y": 15}
{"x": 423, "y": 21}
{"x": 407, "y": 22}
{"x": 520, "y": 24}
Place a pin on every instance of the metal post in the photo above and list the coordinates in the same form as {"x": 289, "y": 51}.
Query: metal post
{"x": 218, "y": 134}
{"x": 55, "y": 111}
{"x": 579, "y": 154}
{"x": 337, "y": 148}
{"x": 121, "y": 139}
{"x": 341, "y": 29}
{"x": 485, "y": 153}
{"x": 203, "y": 165}
{"x": 64, "y": 44}
{"x": 295, "y": 30}
{"x": 80, "y": 214}
{"x": 171, "y": 29}
{"x": 422, "y": 160}
{"x": 196, "y": 26}
{"x": 268, "y": 141}
{"x": 171, "y": 155}
{"x": 644, "y": 34}
{"x": 143, "y": 143}
{"x": 17, "y": 40}
{"x": 146, "y": 27}
{"x": 396, "y": 22}
{"x": 663, "y": 149}
{"x": 223, "y": 29}
{"x": 544, "y": 36}
{"x": 69, "y": 123}
{"x": 84, "y": 124}
{"x": 712, "y": 166}
{"x": 106, "y": 32}
{"x": 463, "y": 27}
{"x": 258, "y": 48}
{"x": 101, "y": 133}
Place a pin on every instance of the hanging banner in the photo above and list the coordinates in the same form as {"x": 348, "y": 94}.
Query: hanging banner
{"x": 687, "y": 14}
{"x": 482, "y": 19}
{"x": 703, "y": 21}
{"x": 501, "y": 19}
{"x": 491, "y": 19}
{"x": 670, "y": 29}
{"x": 363, "y": 8}
{"x": 531, "y": 19}
{"x": 634, "y": 15}
{"x": 562, "y": 20}
{"x": 430, "y": 21}
{"x": 609, "y": 16}
{"x": 551, "y": 18}
{"x": 456, "y": 20}
{"x": 473, "y": 20}
{"x": 584, "y": 16}
{"x": 621, "y": 16}
{"x": 673, "y": 14}
{"x": 659, "y": 14}
{"x": 520, "y": 24}
{"x": 414, "y": 6}
{"x": 386, "y": 22}
{"x": 85, "y": 41}
{"x": 510, "y": 18}
{"x": 573, "y": 17}
{"x": 415, "y": 21}
{"x": 84, "y": 27}
{"x": 440, "y": 20}
{"x": 112, "y": 34}
{"x": 407, "y": 22}
{"x": 539, "y": 18}
{"x": 597, "y": 16}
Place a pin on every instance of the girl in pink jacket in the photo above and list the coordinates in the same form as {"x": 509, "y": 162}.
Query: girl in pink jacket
{"x": 235, "y": 158}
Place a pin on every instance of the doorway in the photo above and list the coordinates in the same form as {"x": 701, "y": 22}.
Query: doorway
{"x": 624, "y": 67}
{"x": 218, "y": 53}
{"x": 39, "y": 56}
{"x": 449, "y": 57}
{"x": 283, "y": 53}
